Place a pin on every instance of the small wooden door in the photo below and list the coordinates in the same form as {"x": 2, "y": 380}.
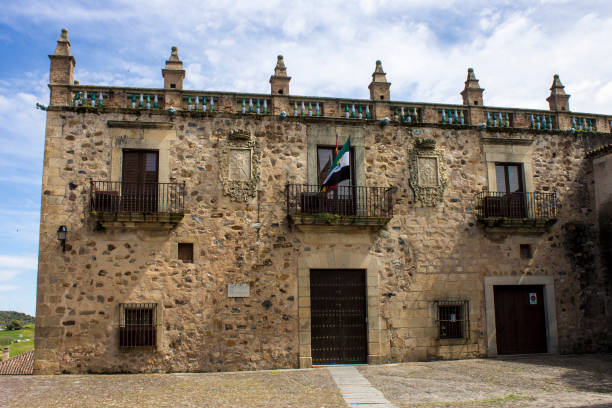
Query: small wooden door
{"x": 139, "y": 185}
{"x": 520, "y": 319}
{"x": 338, "y": 316}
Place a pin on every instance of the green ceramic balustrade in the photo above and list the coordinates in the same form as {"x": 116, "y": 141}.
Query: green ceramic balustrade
{"x": 306, "y": 108}
{"x": 254, "y": 105}
{"x": 583, "y": 124}
{"x": 498, "y": 119}
{"x": 356, "y": 111}
{"x": 90, "y": 99}
{"x": 144, "y": 101}
{"x": 453, "y": 116}
{"x": 540, "y": 122}
{"x": 406, "y": 114}
{"x": 200, "y": 103}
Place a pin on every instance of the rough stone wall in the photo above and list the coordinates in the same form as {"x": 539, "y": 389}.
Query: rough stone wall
{"x": 426, "y": 254}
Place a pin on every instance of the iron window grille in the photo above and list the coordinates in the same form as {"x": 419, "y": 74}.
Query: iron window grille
{"x": 453, "y": 319}
{"x": 138, "y": 325}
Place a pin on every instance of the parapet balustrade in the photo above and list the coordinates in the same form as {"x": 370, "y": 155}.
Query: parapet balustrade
{"x": 499, "y": 119}
{"x": 583, "y": 124}
{"x": 407, "y": 114}
{"x": 306, "y": 107}
{"x": 90, "y": 98}
{"x": 144, "y": 100}
{"x": 199, "y": 103}
{"x": 540, "y": 122}
{"x": 258, "y": 106}
{"x": 453, "y": 116}
{"x": 357, "y": 110}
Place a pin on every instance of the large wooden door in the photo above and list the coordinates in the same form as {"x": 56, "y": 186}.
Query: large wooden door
{"x": 520, "y": 319}
{"x": 139, "y": 185}
{"x": 338, "y": 316}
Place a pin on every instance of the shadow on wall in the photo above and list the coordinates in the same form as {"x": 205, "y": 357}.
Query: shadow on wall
{"x": 605, "y": 247}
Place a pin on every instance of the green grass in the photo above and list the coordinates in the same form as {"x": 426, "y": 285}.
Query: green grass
{"x": 10, "y": 337}
{"x": 16, "y": 349}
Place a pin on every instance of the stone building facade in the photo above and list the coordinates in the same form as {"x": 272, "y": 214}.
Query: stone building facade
{"x": 197, "y": 238}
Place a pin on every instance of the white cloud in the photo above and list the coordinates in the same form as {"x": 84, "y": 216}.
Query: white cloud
{"x": 11, "y": 267}
{"x": 18, "y": 262}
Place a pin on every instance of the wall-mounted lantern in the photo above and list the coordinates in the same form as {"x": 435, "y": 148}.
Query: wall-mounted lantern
{"x": 61, "y": 236}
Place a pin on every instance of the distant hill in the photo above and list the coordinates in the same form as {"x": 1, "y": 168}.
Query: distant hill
{"x": 7, "y": 316}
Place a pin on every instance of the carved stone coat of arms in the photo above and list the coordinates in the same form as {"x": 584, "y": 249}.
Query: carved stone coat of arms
{"x": 427, "y": 172}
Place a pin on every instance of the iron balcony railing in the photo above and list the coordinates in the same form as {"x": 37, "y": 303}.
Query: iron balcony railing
{"x": 533, "y": 206}
{"x": 353, "y": 201}
{"x": 148, "y": 198}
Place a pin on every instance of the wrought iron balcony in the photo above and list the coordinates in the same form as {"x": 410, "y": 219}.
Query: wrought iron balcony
{"x": 517, "y": 210}
{"x": 349, "y": 205}
{"x": 111, "y": 201}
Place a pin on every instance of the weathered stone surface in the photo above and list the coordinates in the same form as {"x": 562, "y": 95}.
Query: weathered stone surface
{"x": 425, "y": 253}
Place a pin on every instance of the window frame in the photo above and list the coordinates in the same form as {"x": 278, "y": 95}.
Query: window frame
{"x": 185, "y": 244}
{"x": 136, "y": 335}
{"x": 464, "y": 306}
{"x": 521, "y": 177}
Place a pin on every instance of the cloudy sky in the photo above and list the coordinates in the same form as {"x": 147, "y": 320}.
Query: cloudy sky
{"x": 330, "y": 48}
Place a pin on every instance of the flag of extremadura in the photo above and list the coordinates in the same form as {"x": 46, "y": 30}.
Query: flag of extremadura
{"x": 341, "y": 167}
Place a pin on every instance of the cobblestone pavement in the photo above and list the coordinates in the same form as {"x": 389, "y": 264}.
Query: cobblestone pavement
{"x": 535, "y": 381}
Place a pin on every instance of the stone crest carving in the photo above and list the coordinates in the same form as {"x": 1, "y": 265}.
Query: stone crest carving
{"x": 239, "y": 159}
{"x": 427, "y": 172}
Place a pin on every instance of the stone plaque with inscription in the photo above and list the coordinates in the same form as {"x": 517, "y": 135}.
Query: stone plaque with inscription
{"x": 238, "y": 290}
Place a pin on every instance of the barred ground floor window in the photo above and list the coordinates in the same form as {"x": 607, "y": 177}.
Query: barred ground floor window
{"x": 453, "y": 319}
{"x": 138, "y": 325}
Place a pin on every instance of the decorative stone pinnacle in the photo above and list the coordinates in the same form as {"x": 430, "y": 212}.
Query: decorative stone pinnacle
{"x": 280, "y": 69}
{"x": 558, "y": 99}
{"x": 379, "y": 87}
{"x": 472, "y": 92}
{"x": 471, "y": 76}
{"x": 379, "y": 68}
{"x": 379, "y": 75}
{"x": 63, "y": 44}
{"x": 174, "y": 54}
{"x": 557, "y": 87}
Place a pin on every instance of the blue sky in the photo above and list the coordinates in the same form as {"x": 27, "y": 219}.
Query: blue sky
{"x": 330, "y": 48}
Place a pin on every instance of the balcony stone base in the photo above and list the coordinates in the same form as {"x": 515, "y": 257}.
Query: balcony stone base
{"x": 134, "y": 220}
{"x": 524, "y": 225}
{"x": 314, "y": 222}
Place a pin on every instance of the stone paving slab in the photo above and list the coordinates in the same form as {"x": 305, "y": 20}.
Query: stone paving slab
{"x": 356, "y": 389}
